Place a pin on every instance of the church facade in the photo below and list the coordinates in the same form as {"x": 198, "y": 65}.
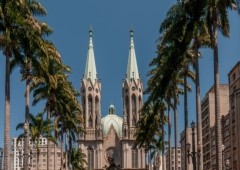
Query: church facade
{"x": 110, "y": 139}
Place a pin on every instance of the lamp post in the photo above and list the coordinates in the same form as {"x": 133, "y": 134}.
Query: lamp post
{"x": 193, "y": 154}
{"x": 223, "y": 165}
{"x": 227, "y": 163}
{"x": 1, "y": 156}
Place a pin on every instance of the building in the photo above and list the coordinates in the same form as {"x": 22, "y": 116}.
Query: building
{"x": 186, "y": 137}
{"x": 171, "y": 164}
{"x": 208, "y": 123}
{"x": 111, "y": 138}
{"x": 227, "y": 135}
{"x": 17, "y": 155}
{"x": 231, "y": 122}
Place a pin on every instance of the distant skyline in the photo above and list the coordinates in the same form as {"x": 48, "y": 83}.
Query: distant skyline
{"x": 111, "y": 22}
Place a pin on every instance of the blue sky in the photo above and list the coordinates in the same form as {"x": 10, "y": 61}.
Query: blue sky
{"x": 111, "y": 21}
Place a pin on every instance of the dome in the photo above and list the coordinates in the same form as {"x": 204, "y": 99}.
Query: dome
{"x": 112, "y": 120}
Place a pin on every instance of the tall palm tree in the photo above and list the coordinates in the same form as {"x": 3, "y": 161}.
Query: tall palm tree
{"x": 67, "y": 115}
{"x": 16, "y": 20}
{"x": 150, "y": 134}
{"x": 217, "y": 20}
{"x": 31, "y": 44}
{"x": 186, "y": 18}
{"x": 12, "y": 22}
{"x": 46, "y": 80}
{"x": 52, "y": 85}
{"x": 38, "y": 127}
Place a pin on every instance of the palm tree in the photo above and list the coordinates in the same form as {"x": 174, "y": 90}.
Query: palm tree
{"x": 38, "y": 127}
{"x": 217, "y": 20}
{"x": 78, "y": 159}
{"x": 16, "y": 20}
{"x": 51, "y": 84}
{"x": 46, "y": 80}
{"x": 12, "y": 23}
{"x": 31, "y": 44}
{"x": 67, "y": 115}
{"x": 186, "y": 18}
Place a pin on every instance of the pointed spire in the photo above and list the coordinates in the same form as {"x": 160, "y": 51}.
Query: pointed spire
{"x": 132, "y": 68}
{"x": 90, "y": 69}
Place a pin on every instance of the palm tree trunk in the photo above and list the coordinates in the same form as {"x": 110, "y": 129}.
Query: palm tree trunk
{"x": 199, "y": 115}
{"x": 185, "y": 120}
{"x": 175, "y": 131}
{"x": 7, "y": 115}
{"x": 217, "y": 99}
{"x": 48, "y": 141}
{"x": 163, "y": 145}
{"x": 26, "y": 130}
{"x": 37, "y": 157}
{"x": 169, "y": 137}
{"x": 61, "y": 151}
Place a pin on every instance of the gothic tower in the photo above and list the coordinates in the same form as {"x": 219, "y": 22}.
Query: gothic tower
{"x": 132, "y": 102}
{"x": 91, "y": 96}
{"x": 132, "y": 93}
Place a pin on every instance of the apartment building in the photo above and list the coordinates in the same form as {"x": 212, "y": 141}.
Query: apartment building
{"x": 18, "y": 150}
{"x": 231, "y": 123}
{"x": 208, "y": 123}
{"x": 171, "y": 164}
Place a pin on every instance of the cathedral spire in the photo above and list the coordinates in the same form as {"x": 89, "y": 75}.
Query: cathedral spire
{"x": 132, "y": 68}
{"x": 90, "y": 69}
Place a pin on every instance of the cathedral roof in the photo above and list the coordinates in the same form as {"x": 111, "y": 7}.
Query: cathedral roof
{"x": 132, "y": 68}
{"x": 112, "y": 120}
{"x": 90, "y": 68}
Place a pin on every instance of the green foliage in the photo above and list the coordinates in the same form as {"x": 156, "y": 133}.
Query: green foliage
{"x": 78, "y": 159}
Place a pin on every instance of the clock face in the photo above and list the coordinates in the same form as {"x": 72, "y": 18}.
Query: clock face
{"x": 89, "y": 88}
{"x": 111, "y": 155}
{"x": 133, "y": 88}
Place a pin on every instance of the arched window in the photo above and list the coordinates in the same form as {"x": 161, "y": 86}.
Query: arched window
{"x": 127, "y": 105}
{"x": 134, "y": 157}
{"x": 134, "y": 110}
{"x": 90, "y": 118}
{"x": 97, "y": 111}
{"x": 83, "y": 105}
{"x": 90, "y": 158}
{"x": 140, "y": 102}
{"x": 125, "y": 132}
{"x": 97, "y": 105}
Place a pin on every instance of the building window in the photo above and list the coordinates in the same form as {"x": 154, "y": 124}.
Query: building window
{"x": 140, "y": 101}
{"x": 134, "y": 157}
{"x": 134, "y": 110}
{"x": 83, "y": 103}
{"x": 96, "y": 106}
{"x": 90, "y": 119}
{"x": 234, "y": 76}
{"x": 90, "y": 158}
{"x": 127, "y": 105}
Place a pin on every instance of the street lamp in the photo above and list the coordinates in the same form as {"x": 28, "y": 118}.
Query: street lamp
{"x": 227, "y": 163}
{"x": 223, "y": 165}
{"x": 193, "y": 154}
{"x": 1, "y": 156}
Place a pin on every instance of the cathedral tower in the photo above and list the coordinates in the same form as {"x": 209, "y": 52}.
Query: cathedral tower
{"x": 91, "y": 96}
{"x": 132, "y": 93}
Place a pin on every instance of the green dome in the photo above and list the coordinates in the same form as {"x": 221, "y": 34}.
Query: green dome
{"x": 115, "y": 121}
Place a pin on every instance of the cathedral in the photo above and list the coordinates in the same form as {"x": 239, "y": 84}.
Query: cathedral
{"x": 109, "y": 140}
